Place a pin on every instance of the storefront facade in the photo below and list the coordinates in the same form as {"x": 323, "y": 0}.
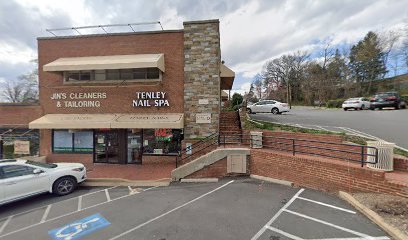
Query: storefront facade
{"x": 129, "y": 98}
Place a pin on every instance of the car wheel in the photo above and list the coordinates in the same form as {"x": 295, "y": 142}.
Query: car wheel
{"x": 362, "y": 107}
{"x": 64, "y": 186}
{"x": 397, "y": 107}
{"x": 345, "y": 109}
{"x": 372, "y": 108}
{"x": 275, "y": 110}
{"x": 249, "y": 111}
{"x": 380, "y": 108}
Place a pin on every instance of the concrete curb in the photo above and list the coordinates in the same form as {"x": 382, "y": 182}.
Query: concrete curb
{"x": 392, "y": 231}
{"x": 199, "y": 180}
{"x": 272, "y": 180}
{"x": 111, "y": 182}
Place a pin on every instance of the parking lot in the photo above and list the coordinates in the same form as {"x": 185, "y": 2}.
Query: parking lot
{"x": 386, "y": 124}
{"x": 240, "y": 208}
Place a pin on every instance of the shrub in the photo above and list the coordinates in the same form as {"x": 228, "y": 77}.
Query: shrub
{"x": 405, "y": 98}
{"x": 336, "y": 103}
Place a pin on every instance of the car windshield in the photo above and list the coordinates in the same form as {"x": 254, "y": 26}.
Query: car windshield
{"x": 44, "y": 165}
{"x": 353, "y": 99}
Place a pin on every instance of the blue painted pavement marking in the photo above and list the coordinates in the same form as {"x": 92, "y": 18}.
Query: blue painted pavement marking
{"x": 79, "y": 228}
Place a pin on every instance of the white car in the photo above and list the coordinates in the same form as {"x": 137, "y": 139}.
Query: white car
{"x": 356, "y": 104}
{"x": 23, "y": 178}
{"x": 270, "y": 106}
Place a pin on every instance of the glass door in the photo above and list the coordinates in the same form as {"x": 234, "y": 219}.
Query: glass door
{"x": 107, "y": 146}
{"x": 134, "y": 146}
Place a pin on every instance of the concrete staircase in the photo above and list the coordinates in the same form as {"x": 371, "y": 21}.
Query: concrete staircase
{"x": 205, "y": 160}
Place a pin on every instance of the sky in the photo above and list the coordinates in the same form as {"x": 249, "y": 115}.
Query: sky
{"x": 252, "y": 31}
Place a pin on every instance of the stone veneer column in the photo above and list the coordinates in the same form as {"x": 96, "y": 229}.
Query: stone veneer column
{"x": 202, "y": 59}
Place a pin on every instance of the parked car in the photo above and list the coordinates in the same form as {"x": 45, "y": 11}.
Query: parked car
{"x": 387, "y": 99}
{"x": 356, "y": 104}
{"x": 23, "y": 178}
{"x": 270, "y": 106}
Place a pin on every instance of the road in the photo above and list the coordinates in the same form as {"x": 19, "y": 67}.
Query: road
{"x": 239, "y": 208}
{"x": 389, "y": 125}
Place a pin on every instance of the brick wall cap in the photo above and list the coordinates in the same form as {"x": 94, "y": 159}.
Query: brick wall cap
{"x": 202, "y": 21}
{"x": 110, "y": 34}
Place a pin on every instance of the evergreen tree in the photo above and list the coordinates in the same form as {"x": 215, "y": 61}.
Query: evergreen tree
{"x": 366, "y": 60}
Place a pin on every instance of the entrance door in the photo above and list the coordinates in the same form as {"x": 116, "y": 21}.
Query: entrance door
{"x": 107, "y": 146}
{"x": 134, "y": 146}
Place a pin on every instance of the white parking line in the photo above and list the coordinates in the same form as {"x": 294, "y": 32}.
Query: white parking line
{"x": 45, "y": 215}
{"x": 170, "y": 211}
{"x": 327, "y": 205}
{"x": 108, "y": 199}
{"x": 262, "y": 230}
{"x": 79, "y": 203}
{"x": 37, "y": 208}
{"x": 147, "y": 189}
{"x": 5, "y": 223}
{"x": 61, "y": 216}
{"x": 284, "y": 233}
{"x": 328, "y": 224}
{"x": 354, "y": 238}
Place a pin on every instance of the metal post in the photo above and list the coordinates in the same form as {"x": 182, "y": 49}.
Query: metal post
{"x": 362, "y": 156}
{"x": 1, "y": 148}
{"x": 293, "y": 146}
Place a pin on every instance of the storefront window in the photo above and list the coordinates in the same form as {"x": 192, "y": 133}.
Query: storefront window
{"x": 62, "y": 141}
{"x": 113, "y": 74}
{"x": 68, "y": 142}
{"x": 161, "y": 141}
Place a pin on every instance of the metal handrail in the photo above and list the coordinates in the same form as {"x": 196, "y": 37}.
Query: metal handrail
{"x": 295, "y": 147}
{"x": 195, "y": 145}
{"x": 292, "y": 144}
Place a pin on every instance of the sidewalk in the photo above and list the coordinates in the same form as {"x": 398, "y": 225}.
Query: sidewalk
{"x": 130, "y": 175}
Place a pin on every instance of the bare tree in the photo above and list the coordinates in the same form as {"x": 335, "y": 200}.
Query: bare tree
{"x": 387, "y": 41}
{"x": 24, "y": 89}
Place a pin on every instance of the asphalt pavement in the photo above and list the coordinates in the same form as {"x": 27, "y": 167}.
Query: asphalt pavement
{"x": 388, "y": 124}
{"x": 240, "y": 208}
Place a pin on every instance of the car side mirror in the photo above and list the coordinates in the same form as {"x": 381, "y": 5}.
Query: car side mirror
{"x": 37, "y": 171}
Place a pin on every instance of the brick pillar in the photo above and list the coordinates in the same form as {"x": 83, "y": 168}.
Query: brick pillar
{"x": 202, "y": 59}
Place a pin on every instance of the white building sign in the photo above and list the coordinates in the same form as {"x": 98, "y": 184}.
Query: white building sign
{"x": 203, "y": 118}
{"x": 21, "y": 147}
{"x": 151, "y": 99}
{"x": 78, "y": 100}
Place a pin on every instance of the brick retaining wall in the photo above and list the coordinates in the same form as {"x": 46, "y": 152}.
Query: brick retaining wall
{"x": 322, "y": 174}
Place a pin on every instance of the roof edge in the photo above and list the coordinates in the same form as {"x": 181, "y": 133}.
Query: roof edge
{"x": 110, "y": 34}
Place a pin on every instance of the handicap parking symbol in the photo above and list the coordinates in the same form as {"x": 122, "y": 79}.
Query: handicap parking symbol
{"x": 79, "y": 228}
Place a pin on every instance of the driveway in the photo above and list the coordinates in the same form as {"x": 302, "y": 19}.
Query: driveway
{"x": 389, "y": 125}
{"x": 239, "y": 208}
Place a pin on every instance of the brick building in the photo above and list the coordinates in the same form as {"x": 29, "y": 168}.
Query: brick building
{"x": 128, "y": 98}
